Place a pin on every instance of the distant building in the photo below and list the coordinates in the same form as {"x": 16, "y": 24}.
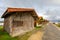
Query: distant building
{"x": 19, "y": 20}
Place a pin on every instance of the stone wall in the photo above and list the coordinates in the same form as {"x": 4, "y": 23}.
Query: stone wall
{"x": 7, "y": 24}
{"x": 28, "y": 23}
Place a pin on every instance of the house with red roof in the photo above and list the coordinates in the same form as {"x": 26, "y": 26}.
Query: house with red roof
{"x": 17, "y": 21}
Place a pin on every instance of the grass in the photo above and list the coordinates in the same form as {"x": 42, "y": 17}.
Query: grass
{"x": 58, "y": 25}
{"x": 38, "y": 27}
{"x": 25, "y": 36}
{"x": 5, "y": 36}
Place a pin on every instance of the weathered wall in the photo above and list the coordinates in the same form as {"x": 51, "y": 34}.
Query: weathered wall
{"x": 28, "y": 23}
{"x": 6, "y": 24}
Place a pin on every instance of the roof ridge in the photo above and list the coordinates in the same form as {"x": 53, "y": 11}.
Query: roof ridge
{"x": 19, "y": 8}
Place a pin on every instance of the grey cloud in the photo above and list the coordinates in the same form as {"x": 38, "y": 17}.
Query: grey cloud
{"x": 53, "y": 14}
{"x": 2, "y": 10}
{"x": 21, "y": 3}
{"x": 50, "y": 3}
{"x": 49, "y": 8}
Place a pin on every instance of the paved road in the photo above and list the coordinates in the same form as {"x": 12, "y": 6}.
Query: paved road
{"x": 51, "y": 32}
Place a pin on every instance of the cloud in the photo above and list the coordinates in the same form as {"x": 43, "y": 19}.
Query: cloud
{"x": 20, "y": 3}
{"x": 56, "y": 1}
{"x": 2, "y": 10}
{"x": 53, "y": 14}
{"x": 49, "y": 9}
{"x": 52, "y": 8}
{"x": 1, "y": 3}
{"x": 36, "y": 4}
{"x": 51, "y": 2}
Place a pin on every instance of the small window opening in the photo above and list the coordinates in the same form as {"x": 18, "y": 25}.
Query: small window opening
{"x": 17, "y": 23}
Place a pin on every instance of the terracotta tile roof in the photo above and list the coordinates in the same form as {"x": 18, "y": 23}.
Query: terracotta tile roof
{"x": 19, "y": 10}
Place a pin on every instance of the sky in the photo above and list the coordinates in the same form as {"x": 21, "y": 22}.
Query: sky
{"x": 49, "y": 9}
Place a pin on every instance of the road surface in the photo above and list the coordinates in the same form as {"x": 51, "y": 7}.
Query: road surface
{"x": 51, "y": 32}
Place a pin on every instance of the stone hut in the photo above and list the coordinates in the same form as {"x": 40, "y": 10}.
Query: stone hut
{"x": 19, "y": 20}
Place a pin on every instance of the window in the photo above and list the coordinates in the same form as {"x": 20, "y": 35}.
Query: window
{"x": 17, "y": 23}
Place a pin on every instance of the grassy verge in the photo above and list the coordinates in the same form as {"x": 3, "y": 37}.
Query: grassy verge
{"x": 58, "y": 25}
{"x": 38, "y": 27}
{"x": 5, "y": 36}
{"x": 25, "y": 36}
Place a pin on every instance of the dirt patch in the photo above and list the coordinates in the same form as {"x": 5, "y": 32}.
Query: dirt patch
{"x": 36, "y": 36}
